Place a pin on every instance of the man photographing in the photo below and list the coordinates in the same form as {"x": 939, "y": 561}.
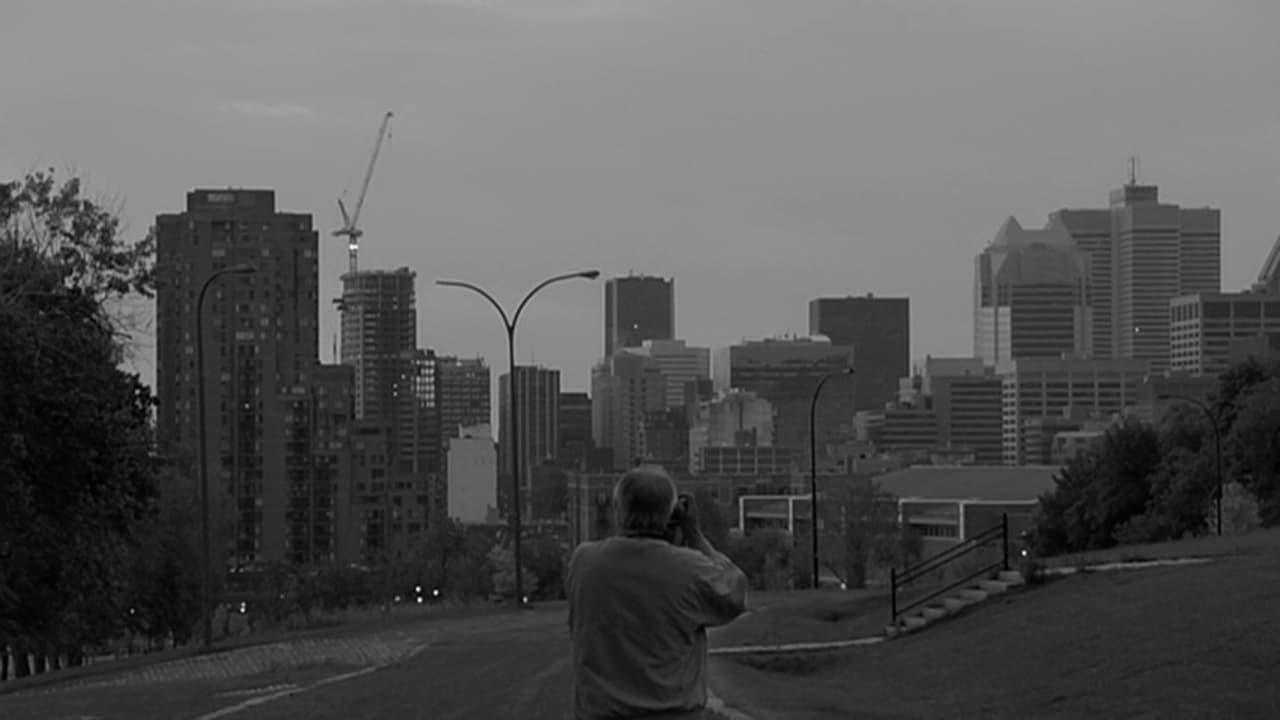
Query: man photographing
{"x": 640, "y": 604}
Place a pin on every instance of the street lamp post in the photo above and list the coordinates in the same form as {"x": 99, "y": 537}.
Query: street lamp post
{"x": 509, "y": 323}
{"x": 1217, "y": 445}
{"x": 206, "y": 609}
{"x": 813, "y": 466}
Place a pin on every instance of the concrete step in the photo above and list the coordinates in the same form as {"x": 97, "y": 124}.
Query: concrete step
{"x": 993, "y": 587}
{"x": 1012, "y": 578}
{"x": 973, "y": 595}
{"x": 957, "y": 602}
{"x": 914, "y": 622}
{"x": 891, "y": 630}
{"x": 934, "y": 613}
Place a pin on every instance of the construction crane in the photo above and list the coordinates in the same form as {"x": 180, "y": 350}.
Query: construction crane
{"x": 350, "y": 229}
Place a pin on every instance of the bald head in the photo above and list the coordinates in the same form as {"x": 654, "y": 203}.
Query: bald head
{"x": 644, "y": 499}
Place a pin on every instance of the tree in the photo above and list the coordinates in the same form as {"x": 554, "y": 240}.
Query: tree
{"x": 1099, "y": 491}
{"x": 76, "y": 471}
{"x": 861, "y": 531}
{"x": 1236, "y": 383}
{"x": 547, "y": 557}
{"x": 1060, "y": 522}
{"x": 504, "y": 573}
{"x": 164, "y": 574}
{"x": 471, "y": 572}
{"x": 1180, "y": 502}
{"x": 1255, "y": 447}
{"x": 764, "y": 555}
{"x": 443, "y": 543}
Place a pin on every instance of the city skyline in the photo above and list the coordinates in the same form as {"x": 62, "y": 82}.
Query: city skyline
{"x": 345, "y": 371}
{"x": 708, "y": 187}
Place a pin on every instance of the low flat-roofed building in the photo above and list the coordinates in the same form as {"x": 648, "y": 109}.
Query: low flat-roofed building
{"x": 949, "y": 504}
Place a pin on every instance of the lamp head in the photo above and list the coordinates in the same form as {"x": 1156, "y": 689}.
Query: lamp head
{"x": 589, "y": 274}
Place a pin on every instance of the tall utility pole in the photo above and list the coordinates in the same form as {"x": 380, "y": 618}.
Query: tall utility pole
{"x": 509, "y": 323}
{"x": 206, "y": 601}
{"x": 813, "y": 466}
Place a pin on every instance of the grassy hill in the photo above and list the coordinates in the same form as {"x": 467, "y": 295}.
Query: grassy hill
{"x": 1192, "y": 641}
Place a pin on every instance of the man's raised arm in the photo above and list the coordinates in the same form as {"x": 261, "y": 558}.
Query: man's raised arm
{"x": 722, "y": 586}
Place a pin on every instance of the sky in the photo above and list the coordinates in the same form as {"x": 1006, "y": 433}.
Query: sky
{"x": 761, "y": 152}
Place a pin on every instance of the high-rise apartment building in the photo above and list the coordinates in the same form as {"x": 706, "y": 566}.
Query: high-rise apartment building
{"x": 638, "y": 308}
{"x": 463, "y": 389}
{"x": 1162, "y": 251}
{"x": 320, "y": 509}
{"x": 372, "y": 538}
{"x": 666, "y": 438}
{"x": 910, "y": 430}
{"x": 967, "y": 400}
{"x": 879, "y": 331}
{"x": 395, "y": 390}
{"x": 1205, "y": 326}
{"x": 261, "y": 348}
{"x": 576, "y": 443}
{"x": 380, "y": 340}
{"x": 1031, "y": 296}
{"x": 736, "y": 418}
{"x": 428, "y": 453}
{"x": 473, "y": 475}
{"x": 537, "y": 394}
{"x": 679, "y": 364}
{"x": 786, "y": 372}
{"x": 1091, "y": 230}
{"x": 625, "y": 389}
{"x": 1039, "y": 388}
{"x": 1150, "y": 252}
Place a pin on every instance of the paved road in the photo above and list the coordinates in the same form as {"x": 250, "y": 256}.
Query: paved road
{"x": 510, "y": 665}
{"x": 517, "y": 670}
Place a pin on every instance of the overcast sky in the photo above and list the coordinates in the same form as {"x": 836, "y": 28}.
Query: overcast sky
{"x": 762, "y": 152}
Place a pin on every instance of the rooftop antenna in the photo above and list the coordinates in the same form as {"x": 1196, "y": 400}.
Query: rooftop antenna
{"x": 1134, "y": 167}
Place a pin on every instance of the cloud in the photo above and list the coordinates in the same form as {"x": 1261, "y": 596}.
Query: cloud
{"x": 267, "y": 110}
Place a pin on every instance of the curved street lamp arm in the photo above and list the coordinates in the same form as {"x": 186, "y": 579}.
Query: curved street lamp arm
{"x": 208, "y": 282}
{"x": 823, "y": 381}
{"x": 813, "y": 469}
{"x": 206, "y": 609}
{"x": 510, "y": 325}
{"x": 549, "y": 281}
{"x": 1198, "y": 403}
{"x": 1210, "y": 415}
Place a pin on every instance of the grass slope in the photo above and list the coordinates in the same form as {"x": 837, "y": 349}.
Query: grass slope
{"x": 1187, "y": 642}
{"x": 806, "y": 616}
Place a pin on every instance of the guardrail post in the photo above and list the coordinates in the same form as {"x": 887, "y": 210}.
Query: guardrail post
{"x": 1004, "y": 538}
{"x": 893, "y": 594}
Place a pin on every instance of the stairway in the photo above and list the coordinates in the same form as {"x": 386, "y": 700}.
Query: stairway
{"x": 959, "y": 599}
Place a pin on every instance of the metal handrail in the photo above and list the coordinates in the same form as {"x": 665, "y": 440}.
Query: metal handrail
{"x": 898, "y": 579}
{"x": 963, "y": 548}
